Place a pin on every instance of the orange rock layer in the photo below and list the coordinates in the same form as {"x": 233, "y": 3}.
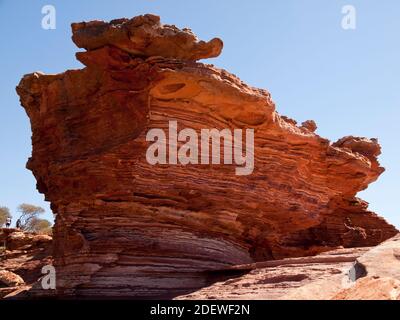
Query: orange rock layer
{"x": 128, "y": 228}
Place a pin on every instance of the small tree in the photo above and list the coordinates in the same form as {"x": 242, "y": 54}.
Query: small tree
{"x": 41, "y": 226}
{"x": 4, "y": 214}
{"x": 29, "y": 214}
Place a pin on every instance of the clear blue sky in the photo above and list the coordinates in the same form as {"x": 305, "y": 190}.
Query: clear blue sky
{"x": 347, "y": 81}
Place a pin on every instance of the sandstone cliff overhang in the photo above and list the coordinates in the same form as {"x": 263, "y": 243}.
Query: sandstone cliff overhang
{"x": 125, "y": 227}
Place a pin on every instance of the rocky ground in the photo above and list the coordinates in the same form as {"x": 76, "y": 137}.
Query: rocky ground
{"x": 344, "y": 273}
{"x": 22, "y": 256}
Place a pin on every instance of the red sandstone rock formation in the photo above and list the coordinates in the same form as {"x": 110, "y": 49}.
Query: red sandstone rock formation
{"x": 128, "y": 228}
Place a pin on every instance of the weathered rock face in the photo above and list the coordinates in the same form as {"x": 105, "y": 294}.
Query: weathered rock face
{"x": 125, "y": 227}
{"x": 144, "y": 36}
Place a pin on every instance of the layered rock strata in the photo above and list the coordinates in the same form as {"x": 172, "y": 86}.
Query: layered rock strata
{"x": 125, "y": 227}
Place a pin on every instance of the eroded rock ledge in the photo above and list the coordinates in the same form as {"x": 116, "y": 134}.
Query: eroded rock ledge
{"x": 128, "y": 228}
